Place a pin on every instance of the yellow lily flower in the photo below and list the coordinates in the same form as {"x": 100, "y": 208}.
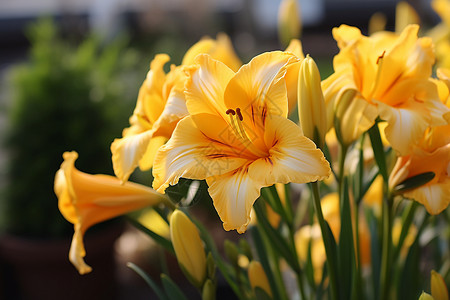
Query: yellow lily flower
{"x": 85, "y": 200}
{"x": 384, "y": 75}
{"x": 237, "y": 136}
{"x": 432, "y": 154}
{"x": 160, "y": 105}
{"x": 188, "y": 247}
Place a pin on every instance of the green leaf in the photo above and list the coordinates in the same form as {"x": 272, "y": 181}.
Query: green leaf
{"x": 375, "y": 246}
{"x": 278, "y": 243}
{"x": 263, "y": 258}
{"x": 171, "y": 289}
{"x": 261, "y": 294}
{"x": 378, "y": 151}
{"x": 148, "y": 280}
{"x": 414, "y": 182}
{"x": 346, "y": 246}
{"x": 159, "y": 239}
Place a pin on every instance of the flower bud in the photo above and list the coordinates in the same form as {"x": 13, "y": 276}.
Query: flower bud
{"x": 425, "y": 296}
{"x": 405, "y": 14}
{"x": 438, "y": 288}
{"x": 188, "y": 247}
{"x": 258, "y": 277}
{"x": 209, "y": 290}
{"x": 289, "y": 22}
{"x": 311, "y": 104}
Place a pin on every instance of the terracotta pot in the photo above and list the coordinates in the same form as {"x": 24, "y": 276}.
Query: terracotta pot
{"x": 40, "y": 269}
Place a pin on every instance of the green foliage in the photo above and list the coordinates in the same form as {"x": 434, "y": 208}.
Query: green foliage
{"x": 64, "y": 98}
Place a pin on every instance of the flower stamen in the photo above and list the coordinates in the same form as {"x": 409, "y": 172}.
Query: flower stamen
{"x": 236, "y": 120}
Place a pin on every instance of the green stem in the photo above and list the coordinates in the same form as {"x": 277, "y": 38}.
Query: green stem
{"x": 342, "y": 155}
{"x": 405, "y": 228}
{"x": 168, "y": 203}
{"x": 386, "y": 254}
{"x": 331, "y": 263}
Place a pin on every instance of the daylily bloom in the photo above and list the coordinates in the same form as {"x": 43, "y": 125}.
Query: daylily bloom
{"x": 385, "y": 75}
{"x": 188, "y": 247}
{"x": 85, "y": 200}
{"x": 432, "y": 154}
{"x": 160, "y": 105}
{"x": 238, "y": 137}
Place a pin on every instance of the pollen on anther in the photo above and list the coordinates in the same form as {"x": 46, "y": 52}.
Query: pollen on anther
{"x": 238, "y": 112}
{"x": 230, "y": 111}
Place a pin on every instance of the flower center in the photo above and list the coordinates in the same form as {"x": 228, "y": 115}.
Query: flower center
{"x": 236, "y": 123}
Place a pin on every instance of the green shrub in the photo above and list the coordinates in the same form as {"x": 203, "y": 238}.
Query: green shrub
{"x": 64, "y": 98}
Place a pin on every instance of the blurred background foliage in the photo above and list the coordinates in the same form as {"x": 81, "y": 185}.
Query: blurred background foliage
{"x": 64, "y": 97}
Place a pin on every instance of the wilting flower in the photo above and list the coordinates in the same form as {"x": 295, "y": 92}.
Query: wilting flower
{"x": 237, "y": 136}
{"x": 85, "y": 200}
{"x": 258, "y": 277}
{"x": 432, "y": 154}
{"x": 160, "y": 105}
{"x": 188, "y": 247}
{"x": 384, "y": 75}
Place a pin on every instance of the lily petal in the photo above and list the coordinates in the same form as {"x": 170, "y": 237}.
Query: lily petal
{"x": 435, "y": 197}
{"x": 292, "y": 156}
{"x": 191, "y": 154}
{"x": 234, "y": 194}
{"x": 128, "y": 151}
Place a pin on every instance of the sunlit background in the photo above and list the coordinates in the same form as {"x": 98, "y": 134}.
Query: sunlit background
{"x": 70, "y": 71}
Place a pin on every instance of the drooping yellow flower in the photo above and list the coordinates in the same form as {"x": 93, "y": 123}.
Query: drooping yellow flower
{"x": 258, "y": 277}
{"x": 237, "y": 136}
{"x": 384, "y": 75}
{"x": 432, "y": 154}
{"x": 188, "y": 247}
{"x": 160, "y": 105}
{"x": 85, "y": 200}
